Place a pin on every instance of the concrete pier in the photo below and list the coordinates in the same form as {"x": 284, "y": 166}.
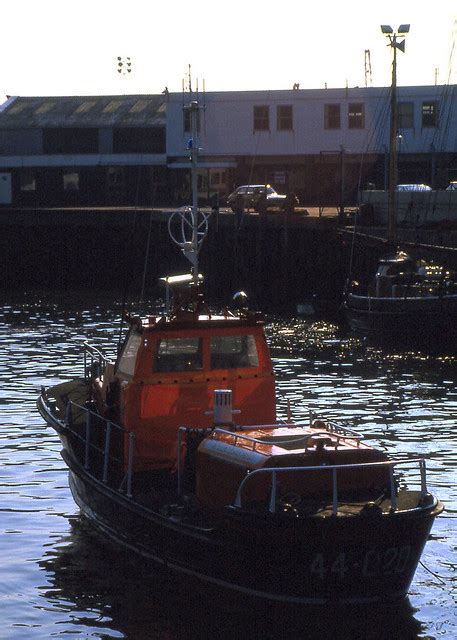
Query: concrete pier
{"x": 279, "y": 259}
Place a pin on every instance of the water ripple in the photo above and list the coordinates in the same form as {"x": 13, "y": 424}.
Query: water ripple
{"x": 57, "y": 580}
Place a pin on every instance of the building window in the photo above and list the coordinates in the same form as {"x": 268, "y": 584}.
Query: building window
{"x": 262, "y": 118}
{"x": 70, "y": 140}
{"x": 115, "y": 177}
{"x": 27, "y": 180}
{"x": 139, "y": 140}
{"x": 187, "y": 122}
{"x": 71, "y": 181}
{"x": 18, "y": 108}
{"x": 139, "y": 106}
{"x": 45, "y": 107}
{"x": 356, "y": 116}
{"x": 284, "y": 117}
{"x": 405, "y": 115}
{"x": 112, "y": 106}
{"x": 429, "y": 114}
{"x": 217, "y": 177}
{"x": 85, "y": 106}
{"x": 332, "y": 116}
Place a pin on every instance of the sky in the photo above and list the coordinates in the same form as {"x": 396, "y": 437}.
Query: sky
{"x": 57, "y": 47}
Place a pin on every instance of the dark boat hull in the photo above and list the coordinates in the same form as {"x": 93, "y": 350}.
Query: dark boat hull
{"x": 310, "y": 561}
{"x": 425, "y": 320}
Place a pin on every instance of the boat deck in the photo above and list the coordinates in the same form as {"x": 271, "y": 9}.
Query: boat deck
{"x": 157, "y": 491}
{"x": 186, "y": 510}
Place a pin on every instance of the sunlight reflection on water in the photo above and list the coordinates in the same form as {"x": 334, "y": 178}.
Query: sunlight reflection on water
{"x": 58, "y": 580}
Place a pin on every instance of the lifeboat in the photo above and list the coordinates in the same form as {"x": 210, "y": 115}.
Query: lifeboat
{"x": 174, "y": 450}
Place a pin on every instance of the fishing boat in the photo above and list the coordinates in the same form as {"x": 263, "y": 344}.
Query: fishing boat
{"x": 410, "y": 300}
{"x": 175, "y": 452}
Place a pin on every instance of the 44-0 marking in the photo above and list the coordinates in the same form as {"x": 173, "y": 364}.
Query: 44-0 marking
{"x": 370, "y": 563}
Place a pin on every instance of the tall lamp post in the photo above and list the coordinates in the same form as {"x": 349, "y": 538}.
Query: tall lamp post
{"x": 394, "y": 43}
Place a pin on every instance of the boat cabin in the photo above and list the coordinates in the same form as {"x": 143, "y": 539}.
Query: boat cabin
{"x": 168, "y": 369}
{"x": 399, "y": 275}
{"x": 394, "y": 271}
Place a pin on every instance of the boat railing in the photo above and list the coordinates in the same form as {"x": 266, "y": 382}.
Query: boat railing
{"x": 95, "y": 361}
{"x": 102, "y": 447}
{"x": 272, "y": 475}
{"x": 339, "y": 433}
{"x": 308, "y": 440}
{"x": 334, "y": 426}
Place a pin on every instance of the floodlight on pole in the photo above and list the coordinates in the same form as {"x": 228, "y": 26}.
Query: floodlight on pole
{"x": 124, "y": 65}
{"x": 395, "y": 44}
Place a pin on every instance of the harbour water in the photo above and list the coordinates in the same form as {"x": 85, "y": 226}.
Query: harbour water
{"x": 59, "y": 580}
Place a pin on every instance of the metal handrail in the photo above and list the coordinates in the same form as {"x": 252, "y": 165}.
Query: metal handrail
{"x": 305, "y": 438}
{"x": 335, "y": 469}
{"x": 95, "y": 356}
{"x": 334, "y": 427}
{"x": 105, "y": 451}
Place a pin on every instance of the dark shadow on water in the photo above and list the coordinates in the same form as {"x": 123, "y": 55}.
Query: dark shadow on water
{"x": 108, "y": 594}
{"x": 323, "y": 341}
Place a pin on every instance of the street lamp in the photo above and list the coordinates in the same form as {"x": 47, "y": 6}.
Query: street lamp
{"x": 395, "y": 43}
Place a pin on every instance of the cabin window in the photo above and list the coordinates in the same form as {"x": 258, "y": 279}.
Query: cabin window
{"x": 129, "y": 352}
{"x": 179, "y": 354}
{"x": 231, "y": 352}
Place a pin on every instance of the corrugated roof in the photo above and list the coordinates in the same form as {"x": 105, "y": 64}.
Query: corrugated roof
{"x": 83, "y": 111}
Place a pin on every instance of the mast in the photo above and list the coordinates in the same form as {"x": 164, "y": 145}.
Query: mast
{"x": 393, "y": 166}
{"x": 193, "y": 148}
{"x": 188, "y": 226}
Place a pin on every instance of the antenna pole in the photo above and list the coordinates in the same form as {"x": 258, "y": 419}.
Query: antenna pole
{"x": 193, "y": 148}
{"x": 193, "y": 224}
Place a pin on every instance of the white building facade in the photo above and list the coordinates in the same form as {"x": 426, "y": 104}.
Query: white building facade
{"x": 323, "y": 144}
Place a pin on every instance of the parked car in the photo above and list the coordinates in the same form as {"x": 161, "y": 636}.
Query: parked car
{"x": 452, "y": 186}
{"x": 248, "y": 197}
{"x": 413, "y": 187}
